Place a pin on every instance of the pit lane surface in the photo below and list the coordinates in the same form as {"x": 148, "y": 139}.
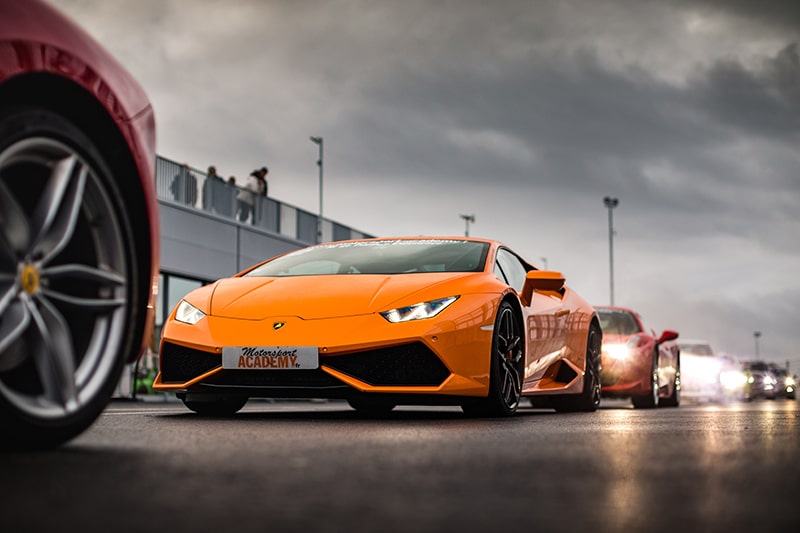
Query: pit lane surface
{"x": 301, "y": 466}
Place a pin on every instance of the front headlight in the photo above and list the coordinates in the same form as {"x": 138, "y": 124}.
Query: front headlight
{"x": 418, "y": 311}
{"x": 789, "y": 381}
{"x": 617, "y": 351}
{"x": 732, "y": 379}
{"x": 188, "y": 314}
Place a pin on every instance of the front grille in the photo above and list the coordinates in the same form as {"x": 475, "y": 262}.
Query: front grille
{"x": 180, "y": 364}
{"x": 406, "y": 365}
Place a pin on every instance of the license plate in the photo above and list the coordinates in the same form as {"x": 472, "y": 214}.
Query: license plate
{"x": 270, "y": 357}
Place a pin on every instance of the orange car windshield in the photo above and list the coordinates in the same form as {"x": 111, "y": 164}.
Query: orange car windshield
{"x": 379, "y": 257}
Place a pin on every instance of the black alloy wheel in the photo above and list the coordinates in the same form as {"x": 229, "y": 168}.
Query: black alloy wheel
{"x": 506, "y": 368}
{"x": 649, "y": 399}
{"x": 674, "y": 399}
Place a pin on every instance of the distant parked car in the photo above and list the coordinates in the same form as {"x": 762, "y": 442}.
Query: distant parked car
{"x": 761, "y": 382}
{"x": 787, "y": 384}
{"x": 708, "y": 376}
{"x": 635, "y": 363}
{"x": 78, "y": 225}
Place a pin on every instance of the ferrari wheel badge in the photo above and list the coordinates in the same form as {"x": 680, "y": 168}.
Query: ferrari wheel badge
{"x": 29, "y": 279}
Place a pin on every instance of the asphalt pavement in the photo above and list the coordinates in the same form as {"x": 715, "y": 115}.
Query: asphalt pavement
{"x": 320, "y": 467}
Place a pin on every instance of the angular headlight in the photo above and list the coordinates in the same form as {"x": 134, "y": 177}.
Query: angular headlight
{"x": 188, "y": 314}
{"x": 418, "y": 311}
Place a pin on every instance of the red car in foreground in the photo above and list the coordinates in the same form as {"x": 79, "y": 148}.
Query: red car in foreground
{"x": 78, "y": 225}
{"x": 635, "y": 363}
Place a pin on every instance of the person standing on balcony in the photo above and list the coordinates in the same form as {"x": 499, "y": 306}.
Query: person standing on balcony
{"x": 184, "y": 186}
{"x": 213, "y": 190}
{"x": 249, "y": 197}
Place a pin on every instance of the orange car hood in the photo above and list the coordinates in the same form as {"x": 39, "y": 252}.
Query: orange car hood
{"x": 312, "y": 297}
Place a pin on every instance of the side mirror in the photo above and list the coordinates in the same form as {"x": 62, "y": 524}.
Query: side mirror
{"x": 668, "y": 335}
{"x": 541, "y": 280}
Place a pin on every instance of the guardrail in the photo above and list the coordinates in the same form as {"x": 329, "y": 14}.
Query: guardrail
{"x": 185, "y": 185}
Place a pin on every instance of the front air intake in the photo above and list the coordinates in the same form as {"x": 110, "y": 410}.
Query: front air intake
{"x": 411, "y": 364}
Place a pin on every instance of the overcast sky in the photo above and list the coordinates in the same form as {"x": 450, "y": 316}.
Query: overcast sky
{"x": 523, "y": 113}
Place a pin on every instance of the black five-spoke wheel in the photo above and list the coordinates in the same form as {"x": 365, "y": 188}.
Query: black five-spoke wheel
{"x": 507, "y": 364}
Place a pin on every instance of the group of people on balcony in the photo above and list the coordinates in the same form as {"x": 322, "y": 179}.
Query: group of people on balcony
{"x": 220, "y": 196}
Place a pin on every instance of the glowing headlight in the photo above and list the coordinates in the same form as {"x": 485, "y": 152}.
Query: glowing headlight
{"x": 790, "y": 381}
{"x": 617, "y": 351}
{"x": 418, "y": 311}
{"x": 188, "y": 314}
{"x": 732, "y": 379}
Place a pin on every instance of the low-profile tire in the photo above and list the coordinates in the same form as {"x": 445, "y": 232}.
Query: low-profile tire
{"x": 216, "y": 406}
{"x": 371, "y": 406}
{"x": 649, "y": 399}
{"x": 674, "y": 399}
{"x": 69, "y": 271}
{"x": 506, "y": 367}
{"x": 589, "y": 398}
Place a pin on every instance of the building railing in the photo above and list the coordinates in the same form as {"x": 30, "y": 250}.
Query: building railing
{"x": 184, "y": 185}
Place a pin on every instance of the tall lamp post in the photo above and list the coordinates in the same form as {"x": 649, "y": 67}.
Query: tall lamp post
{"x": 756, "y": 335}
{"x": 467, "y": 220}
{"x": 318, "y": 142}
{"x": 611, "y": 203}
{"x": 544, "y": 262}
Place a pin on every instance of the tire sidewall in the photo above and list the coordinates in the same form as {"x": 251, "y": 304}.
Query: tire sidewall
{"x": 496, "y": 373}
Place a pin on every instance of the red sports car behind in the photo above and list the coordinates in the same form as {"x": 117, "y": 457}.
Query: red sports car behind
{"x": 635, "y": 363}
{"x": 78, "y": 225}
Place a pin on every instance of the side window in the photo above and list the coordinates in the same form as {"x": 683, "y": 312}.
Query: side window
{"x": 498, "y": 273}
{"x": 646, "y": 327}
{"x": 512, "y": 270}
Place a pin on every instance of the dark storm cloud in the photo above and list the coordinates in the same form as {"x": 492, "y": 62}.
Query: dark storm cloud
{"x": 593, "y": 129}
{"x": 784, "y": 14}
{"x": 766, "y": 102}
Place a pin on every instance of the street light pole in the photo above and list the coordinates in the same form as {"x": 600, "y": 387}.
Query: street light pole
{"x": 467, "y": 220}
{"x": 611, "y": 203}
{"x": 544, "y": 262}
{"x": 756, "y": 335}
{"x": 318, "y": 142}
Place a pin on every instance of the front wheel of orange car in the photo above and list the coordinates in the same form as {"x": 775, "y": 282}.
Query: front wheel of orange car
{"x": 213, "y": 405}
{"x": 506, "y": 368}
{"x": 589, "y": 398}
{"x": 68, "y": 271}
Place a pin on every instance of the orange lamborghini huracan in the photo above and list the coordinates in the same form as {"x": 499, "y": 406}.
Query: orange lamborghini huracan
{"x": 383, "y": 322}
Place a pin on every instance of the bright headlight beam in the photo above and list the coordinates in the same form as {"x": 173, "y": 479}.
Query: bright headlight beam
{"x": 188, "y": 314}
{"x": 418, "y": 311}
{"x": 732, "y": 379}
{"x": 617, "y": 351}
